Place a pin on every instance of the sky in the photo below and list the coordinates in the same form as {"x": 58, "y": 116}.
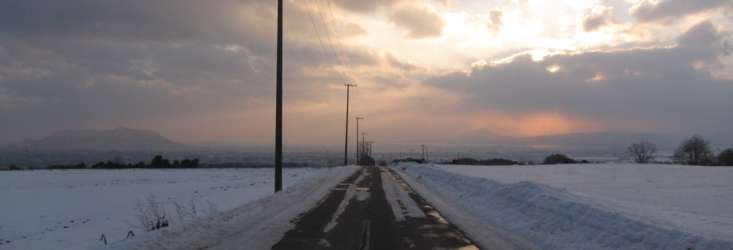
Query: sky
{"x": 426, "y": 70}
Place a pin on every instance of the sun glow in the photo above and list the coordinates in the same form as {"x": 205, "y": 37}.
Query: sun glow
{"x": 544, "y": 124}
{"x": 532, "y": 124}
{"x": 553, "y": 68}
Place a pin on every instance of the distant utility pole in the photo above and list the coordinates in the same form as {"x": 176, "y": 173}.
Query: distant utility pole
{"x": 362, "y": 145}
{"x": 424, "y": 152}
{"x": 363, "y": 140}
{"x": 279, "y": 102}
{"x": 368, "y": 148}
{"x": 346, "y": 138}
{"x": 358, "y": 147}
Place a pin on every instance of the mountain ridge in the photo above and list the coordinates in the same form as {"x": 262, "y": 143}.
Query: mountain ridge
{"x": 117, "y": 139}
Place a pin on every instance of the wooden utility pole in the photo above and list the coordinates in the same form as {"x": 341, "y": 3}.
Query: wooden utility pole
{"x": 279, "y": 102}
{"x": 346, "y": 137}
{"x": 358, "y": 147}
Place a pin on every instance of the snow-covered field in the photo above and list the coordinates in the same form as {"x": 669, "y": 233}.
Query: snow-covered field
{"x": 600, "y": 206}
{"x": 71, "y": 209}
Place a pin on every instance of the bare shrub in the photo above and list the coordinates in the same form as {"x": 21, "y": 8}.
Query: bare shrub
{"x": 642, "y": 152}
{"x": 212, "y": 208}
{"x": 151, "y": 215}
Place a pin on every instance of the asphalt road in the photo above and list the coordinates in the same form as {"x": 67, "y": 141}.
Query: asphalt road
{"x": 360, "y": 214}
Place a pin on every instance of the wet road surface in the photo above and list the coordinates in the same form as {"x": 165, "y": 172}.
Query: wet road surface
{"x": 373, "y": 209}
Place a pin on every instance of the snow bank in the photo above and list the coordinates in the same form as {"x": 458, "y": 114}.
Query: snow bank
{"x": 70, "y": 209}
{"x": 696, "y": 200}
{"x": 486, "y": 235}
{"x": 256, "y": 225}
{"x": 552, "y": 218}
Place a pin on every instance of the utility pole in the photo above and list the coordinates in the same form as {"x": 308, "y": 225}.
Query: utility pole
{"x": 279, "y": 102}
{"x": 363, "y": 140}
{"x": 346, "y": 137}
{"x": 358, "y": 147}
{"x": 368, "y": 148}
{"x": 424, "y": 149}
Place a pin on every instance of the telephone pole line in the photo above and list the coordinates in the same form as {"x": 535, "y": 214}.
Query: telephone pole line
{"x": 279, "y": 101}
{"x": 346, "y": 137}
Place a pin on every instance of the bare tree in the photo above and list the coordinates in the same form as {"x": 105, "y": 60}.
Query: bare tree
{"x": 642, "y": 152}
{"x": 694, "y": 151}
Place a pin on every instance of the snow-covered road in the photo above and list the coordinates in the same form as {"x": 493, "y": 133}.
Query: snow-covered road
{"x": 374, "y": 209}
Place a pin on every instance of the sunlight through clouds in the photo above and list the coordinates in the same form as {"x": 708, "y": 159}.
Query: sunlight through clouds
{"x": 514, "y": 63}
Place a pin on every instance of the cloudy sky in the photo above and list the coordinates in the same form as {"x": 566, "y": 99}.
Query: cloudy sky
{"x": 438, "y": 70}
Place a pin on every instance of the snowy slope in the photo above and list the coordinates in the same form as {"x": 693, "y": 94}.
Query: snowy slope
{"x": 593, "y": 206}
{"x": 53, "y": 209}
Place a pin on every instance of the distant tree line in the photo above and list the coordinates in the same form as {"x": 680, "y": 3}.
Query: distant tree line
{"x": 693, "y": 151}
{"x": 561, "y": 159}
{"x": 549, "y": 160}
{"x": 157, "y": 162}
{"x": 488, "y": 162}
{"x": 161, "y": 164}
{"x": 10, "y": 167}
{"x": 409, "y": 159}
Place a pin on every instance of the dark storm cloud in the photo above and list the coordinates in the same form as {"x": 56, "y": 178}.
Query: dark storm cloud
{"x": 649, "y": 10}
{"x": 669, "y": 88}
{"x": 70, "y": 64}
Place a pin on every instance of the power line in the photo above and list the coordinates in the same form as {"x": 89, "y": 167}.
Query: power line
{"x": 320, "y": 40}
{"x": 338, "y": 60}
{"x": 333, "y": 17}
{"x": 318, "y": 34}
{"x": 326, "y": 28}
{"x": 330, "y": 33}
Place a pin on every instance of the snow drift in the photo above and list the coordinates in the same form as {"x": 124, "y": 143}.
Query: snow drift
{"x": 551, "y": 218}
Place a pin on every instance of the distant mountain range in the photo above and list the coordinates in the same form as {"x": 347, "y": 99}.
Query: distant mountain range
{"x": 119, "y": 139}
